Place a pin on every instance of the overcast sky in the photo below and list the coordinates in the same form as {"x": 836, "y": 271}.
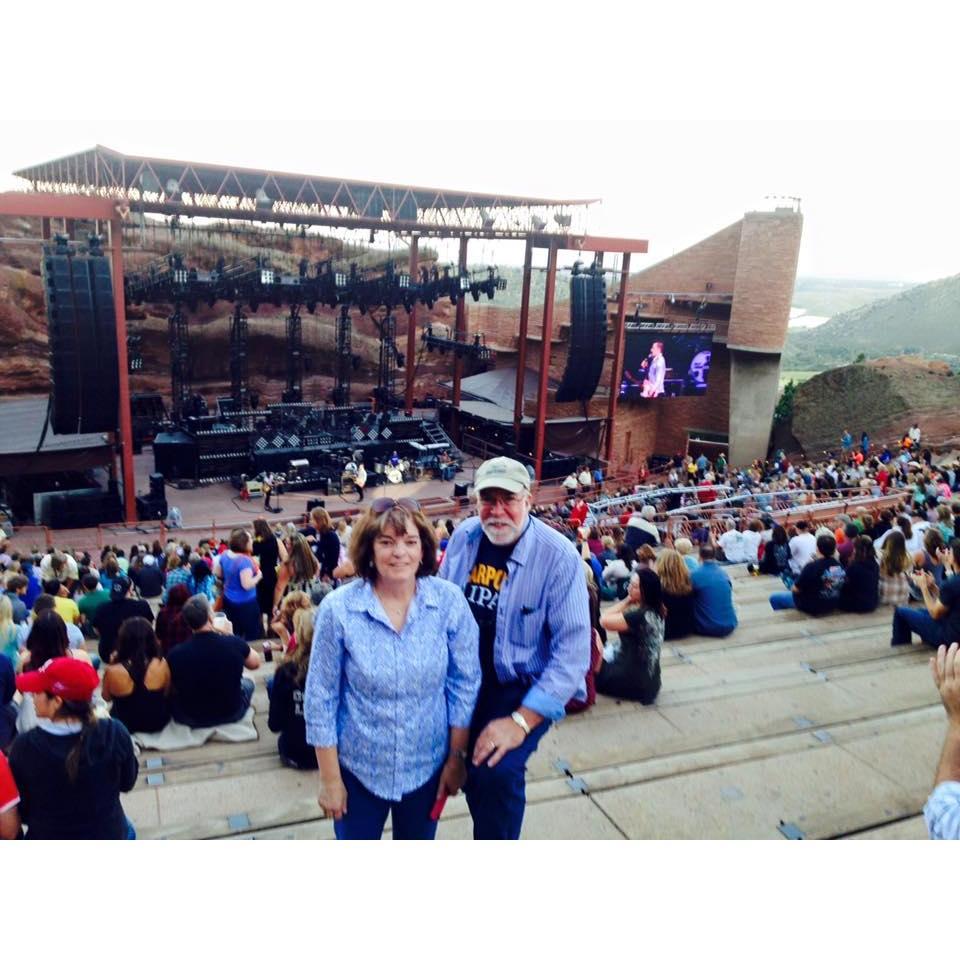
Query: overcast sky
{"x": 679, "y": 118}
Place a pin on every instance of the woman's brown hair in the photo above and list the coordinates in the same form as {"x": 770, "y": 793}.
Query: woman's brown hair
{"x": 893, "y": 556}
{"x": 262, "y": 529}
{"x": 321, "y": 519}
{"x": 371, "y": 525}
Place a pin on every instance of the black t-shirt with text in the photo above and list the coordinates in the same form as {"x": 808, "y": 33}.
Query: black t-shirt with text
{"x": 819, "y": 586}
{"x": 482, "y": 591}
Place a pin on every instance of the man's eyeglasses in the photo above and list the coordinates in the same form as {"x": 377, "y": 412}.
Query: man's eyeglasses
{"x": 490, "y": 499}
{"x": 383, "y": 504}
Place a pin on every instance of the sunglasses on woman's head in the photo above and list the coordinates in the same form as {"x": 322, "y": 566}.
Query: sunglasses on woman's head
{"x": 383, "y": 504}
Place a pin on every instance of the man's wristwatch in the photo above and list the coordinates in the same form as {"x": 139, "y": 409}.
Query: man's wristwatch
{"x": 459, "y": 754}
{"x": 521, "y": 721}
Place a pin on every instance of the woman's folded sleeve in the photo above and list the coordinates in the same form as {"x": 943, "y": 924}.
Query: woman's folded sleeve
{"x": 322, "y": 693}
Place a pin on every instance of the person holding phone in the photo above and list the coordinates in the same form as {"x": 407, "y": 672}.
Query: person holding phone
{"x": 392, "y": 683}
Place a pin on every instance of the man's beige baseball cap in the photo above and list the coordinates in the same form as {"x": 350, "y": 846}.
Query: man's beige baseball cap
{"x": 502, "y": 473}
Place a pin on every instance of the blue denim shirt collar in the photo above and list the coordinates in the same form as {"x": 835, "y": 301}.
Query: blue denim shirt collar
{"x": 366, "y": 601}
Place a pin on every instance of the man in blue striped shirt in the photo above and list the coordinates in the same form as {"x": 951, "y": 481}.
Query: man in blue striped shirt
{"x": 526, "y": 588}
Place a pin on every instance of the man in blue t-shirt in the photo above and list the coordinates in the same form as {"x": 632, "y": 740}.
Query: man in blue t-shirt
{"x": 713, "y": 611}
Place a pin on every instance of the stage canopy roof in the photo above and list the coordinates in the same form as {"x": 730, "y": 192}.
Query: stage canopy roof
{"x": 202, "y": 189}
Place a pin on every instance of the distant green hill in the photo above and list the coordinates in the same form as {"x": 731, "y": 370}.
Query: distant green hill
{"x": 920, "y": 320}
{"x": 828, "y": 296}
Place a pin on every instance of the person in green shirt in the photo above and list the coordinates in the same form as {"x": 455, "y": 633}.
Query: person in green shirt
{"x": 93, "y": 596}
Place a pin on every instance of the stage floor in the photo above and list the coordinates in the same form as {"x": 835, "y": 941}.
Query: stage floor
{"x": 219, "y": 505}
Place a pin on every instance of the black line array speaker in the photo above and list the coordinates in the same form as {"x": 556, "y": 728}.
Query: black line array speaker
{"x": 82, "y": 332}
{"x": 588, "y": 337}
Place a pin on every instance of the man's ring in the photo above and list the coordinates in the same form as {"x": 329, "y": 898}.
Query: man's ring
{"x": 493, "y": 746}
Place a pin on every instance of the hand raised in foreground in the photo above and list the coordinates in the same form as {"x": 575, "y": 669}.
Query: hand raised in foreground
{"x": 945, "y": 667}
{"x": 332, "y": 798}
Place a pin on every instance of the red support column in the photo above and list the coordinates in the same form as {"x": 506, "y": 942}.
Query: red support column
{"x": 411, "y": 329}
{"x": 126, "y": 423}
{"x": 616, "y": 371}
{"x": 460, "y": 334}
{"x": 540, "y": 426}
{"x": 522, "y": 342}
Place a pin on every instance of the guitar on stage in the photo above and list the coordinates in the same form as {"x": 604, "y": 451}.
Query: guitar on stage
{"x": 267, "y": 486}
{"x": 355, "y": 475}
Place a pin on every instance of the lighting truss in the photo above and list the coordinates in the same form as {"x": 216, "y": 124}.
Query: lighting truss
{"x": 253, "y": 281}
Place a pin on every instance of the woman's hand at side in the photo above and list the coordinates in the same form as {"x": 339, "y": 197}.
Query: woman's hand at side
{"x": 331, "y": 793}
{"x": 332, "y": 797}
{"x": 452, "y": 777}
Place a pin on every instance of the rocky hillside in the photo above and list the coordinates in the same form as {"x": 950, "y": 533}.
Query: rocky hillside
{"x": 24, "y": 361}
{"x": 922, "y": 320}
{"x": 883, "y": 397}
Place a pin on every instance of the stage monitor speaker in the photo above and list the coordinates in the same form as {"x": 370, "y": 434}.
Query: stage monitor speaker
{"x": 460, "y": 489}
{"x": 156, "y": 486}
{"x": 151, "y": 508}
{"x": 588, "y": 337}
{"x": 82, "y": 333}
{"x": 315, "y": 503}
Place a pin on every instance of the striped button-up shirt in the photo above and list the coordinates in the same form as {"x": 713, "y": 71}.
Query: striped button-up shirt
{"x": 387, "y": 700}
{"x": 942, "y": 811}
{"x": 543, "y": 613}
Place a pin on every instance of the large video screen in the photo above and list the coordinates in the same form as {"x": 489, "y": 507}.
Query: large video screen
{"x": 666, "y": 364}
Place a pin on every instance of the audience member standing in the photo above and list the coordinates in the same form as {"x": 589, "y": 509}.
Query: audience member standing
{"x": 240, "y": 578}
{"x": 270, "y": 553}
{"x": 525, "y": 585}
{"x": 392, "y": 682}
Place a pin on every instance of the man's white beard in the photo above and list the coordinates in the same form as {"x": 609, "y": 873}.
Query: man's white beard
{"x": 501, "y": 535}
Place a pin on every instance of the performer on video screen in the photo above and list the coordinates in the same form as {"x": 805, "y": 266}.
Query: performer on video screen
{"x": 651, "y": 373}
{"x": 656, "y": 368}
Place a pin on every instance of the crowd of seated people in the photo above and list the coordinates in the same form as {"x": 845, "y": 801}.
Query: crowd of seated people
{"x": 270, "y": 583}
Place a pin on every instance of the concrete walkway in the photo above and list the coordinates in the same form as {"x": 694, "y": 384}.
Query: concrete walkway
{"x": 791, "y": 726}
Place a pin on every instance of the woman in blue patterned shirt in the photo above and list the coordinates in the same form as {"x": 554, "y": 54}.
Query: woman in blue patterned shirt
{"x": 393, "y": 680}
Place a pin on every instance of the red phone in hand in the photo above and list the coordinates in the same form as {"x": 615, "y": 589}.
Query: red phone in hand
{"x": 438, "y": 807}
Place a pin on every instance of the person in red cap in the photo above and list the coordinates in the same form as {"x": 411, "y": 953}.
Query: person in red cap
{"x": 71, "y": 768}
